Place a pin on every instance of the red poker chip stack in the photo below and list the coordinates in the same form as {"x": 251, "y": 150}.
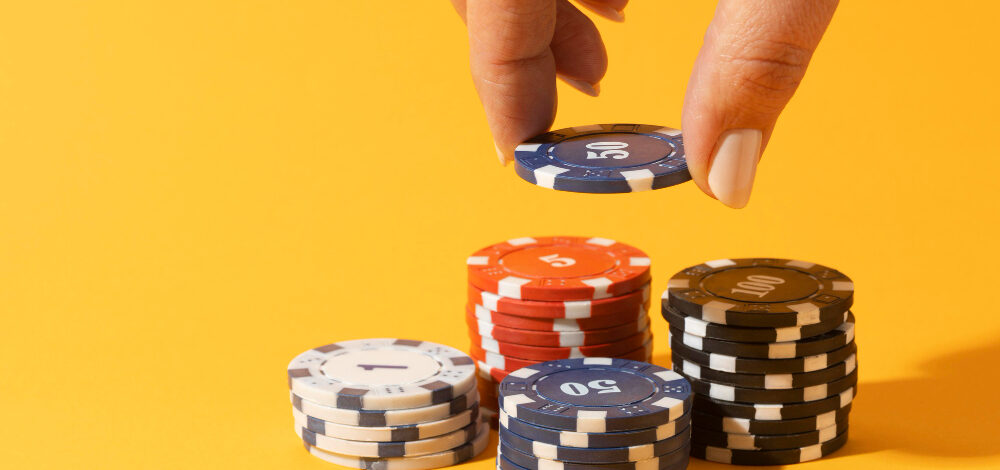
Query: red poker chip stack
{"x": 539, "y": 299}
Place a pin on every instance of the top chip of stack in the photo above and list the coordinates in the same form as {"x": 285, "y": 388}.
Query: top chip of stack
{"x": 545, "y": 298}
{"x": 574, "y": 413}
{"x": 387, "y": 403}
{"x": 768, "y": 345}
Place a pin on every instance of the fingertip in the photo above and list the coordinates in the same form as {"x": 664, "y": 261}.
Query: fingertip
{"x": 589, "y": 89}
{"x": 501, "y": 155}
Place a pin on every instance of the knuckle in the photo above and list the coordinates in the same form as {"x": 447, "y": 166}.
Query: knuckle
{"x": 767, "y": 71}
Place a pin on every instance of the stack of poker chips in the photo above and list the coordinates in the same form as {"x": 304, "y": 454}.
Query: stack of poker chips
{"x": 594, "y": 413}
{"x": 539, "y": 299}
{"x": 387, "y": 403}
{"x": 768, "y": 346}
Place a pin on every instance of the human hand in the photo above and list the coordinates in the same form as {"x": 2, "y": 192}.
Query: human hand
{"x": 754, "y": 55}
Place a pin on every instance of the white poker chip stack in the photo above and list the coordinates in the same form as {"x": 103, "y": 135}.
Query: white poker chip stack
{"x": 387, "y": 404}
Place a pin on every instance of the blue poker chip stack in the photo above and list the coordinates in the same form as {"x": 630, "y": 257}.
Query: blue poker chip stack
{"x": 594, "y": 413}
{"x": 768, "y": 347}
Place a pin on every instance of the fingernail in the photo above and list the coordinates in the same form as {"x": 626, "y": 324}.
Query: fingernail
{"x": 605, "y": 11}
{"x": 500, "y": 155}
{"x": 590, "y": 89}
{"x": 734, "y": 166}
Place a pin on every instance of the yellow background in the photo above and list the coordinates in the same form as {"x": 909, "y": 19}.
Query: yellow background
{"x": 192, "y": 193}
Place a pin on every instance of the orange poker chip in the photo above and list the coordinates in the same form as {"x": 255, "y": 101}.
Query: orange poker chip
{"x": 543, "y": 353}
{"x": 559, "y": 268}
{"x": 474, "y": 313}
{"x": 575, "y": 309}
{"x": 495, "y": 363}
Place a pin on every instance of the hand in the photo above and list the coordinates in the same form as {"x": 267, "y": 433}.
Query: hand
{"x": 754, "y": 56}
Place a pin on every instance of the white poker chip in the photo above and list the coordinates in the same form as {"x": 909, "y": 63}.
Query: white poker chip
{"x": 446, "y": 458}
{"x": 408, "y": 432}
{"x": 381, "y": 374}
{"x": 388, "y": 449}
{"x": 384, "y": 418}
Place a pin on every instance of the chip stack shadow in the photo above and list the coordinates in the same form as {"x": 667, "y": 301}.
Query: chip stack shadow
{"x": 388, "y": 404}
{"x": 538, "y": 299}
{"x": 594, "y": 413}
{"x": 768, "y": 346}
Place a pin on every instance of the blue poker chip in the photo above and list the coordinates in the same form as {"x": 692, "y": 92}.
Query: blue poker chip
{"x": 595, "y": 394}
{"x": 604, "y": 158}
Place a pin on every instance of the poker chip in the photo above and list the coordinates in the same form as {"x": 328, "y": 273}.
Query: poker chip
{"x": 478, "y": 312}
{"x": 823, "y": 343}
{"x": 508, "y": 363}
{"x": 760, "y": 292}
{"x": 446, "y": 458}
{"x": 569, "y": 309}
{"x": 770, "y": 412}
{"x": 765, "y": 442}
{"x": 559, "y": 268}
{"x": 764, "y": 396}
{"x": 768, "y": 457}
{"x": 768, "y": 381}
{"x": 551, "y": 353}
{"x": 594, "y": 439}
{"x": 724, "y": 363}
{"x": 381, "y": 374}
{"x": 388, "y": 449}
{"x": 509, "y": 458}
{"x": 604, "y": 158}
{"x": 412, "y": 432}
{"x": 697, "y": 327}
{"x": 489, "y": 331}
{"x": 380, "y": 418}
{"x": 751, "y": 426}
{"x": 595, "y": 455}
{"x": 595, "y": 395}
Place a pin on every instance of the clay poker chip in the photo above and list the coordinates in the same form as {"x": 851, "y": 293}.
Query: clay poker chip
{"x": 476, "y": 312}
{"x": 559, "y": 268}
{"x": 595, "y": 395}
{"x": 760, "y": 292}
{"x": 573, "y": 309}
{"x": 381, "y": 374}
{"x": 823, "y": 343}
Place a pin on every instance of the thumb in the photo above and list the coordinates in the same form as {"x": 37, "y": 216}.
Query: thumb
{"x": 754, "y": 56}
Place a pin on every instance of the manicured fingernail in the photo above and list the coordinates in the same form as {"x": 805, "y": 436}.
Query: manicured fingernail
{"x": 734, "y": 166}
{"x": 500, "y": 155}
{"x": 605, "y": 11}
{"x": 590, "y": 89}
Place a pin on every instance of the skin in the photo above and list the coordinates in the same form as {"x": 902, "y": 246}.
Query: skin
{"x": 754, "y": 56}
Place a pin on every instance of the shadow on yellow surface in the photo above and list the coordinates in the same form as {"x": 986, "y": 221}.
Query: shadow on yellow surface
{"x": 951, "y": 411}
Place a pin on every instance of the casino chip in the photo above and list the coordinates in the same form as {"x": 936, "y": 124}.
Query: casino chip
{"x": 489, "y": 331}
{"x": 760, "y": 292}
{"x": 381, "y": 374}
{"x": 768, "y": 381}
{"x": 819, "y": 344}
{"x": 476, "y": 313}
{"x": 387, "y": 403}
{"x": 596, "y": 455}
{"x": 380, "y": 418}
{"x": 594, "y": 439}
{"x": 776, "y": 427}
{"x": 551, "y": 353}
{"x": 595, "y": 395}
{"x": 742, "y": 334}
{"x": 768, "y": 347}
{"x": 604, "y": 158}
{"x": 572, "y": 309}
{"x": 768, "y": 457}
{"x": 509, "y": 363}
{"x": 765, "y": 442}
{"x": 724, "y": 363}
{"x": 559, "y": 268}
{"x": 428, "y": 461}
{"x": 512, "y": 459}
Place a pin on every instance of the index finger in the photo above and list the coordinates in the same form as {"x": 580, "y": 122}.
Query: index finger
{"x": 513, "y": 67}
